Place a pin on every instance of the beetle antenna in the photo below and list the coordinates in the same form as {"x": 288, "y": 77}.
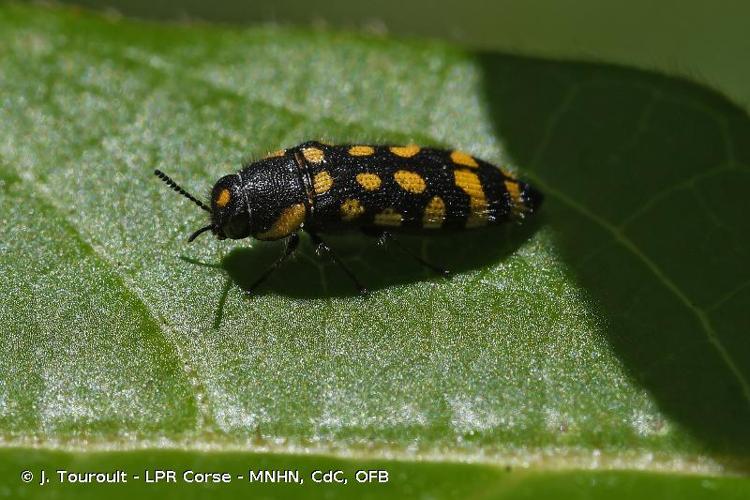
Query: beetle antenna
{"x": 199, "y": 232}
{"x": 168, "y": 180}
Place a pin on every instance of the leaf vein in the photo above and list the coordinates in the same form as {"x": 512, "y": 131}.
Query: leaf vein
{"x": 700, "y": 314}
{"x": 35, "y": 185}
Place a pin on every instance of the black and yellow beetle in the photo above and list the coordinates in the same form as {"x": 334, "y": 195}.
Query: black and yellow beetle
{"x": 377, "y": 189}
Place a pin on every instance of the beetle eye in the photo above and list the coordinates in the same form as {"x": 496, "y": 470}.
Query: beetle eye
{"x": 238, "y": 226}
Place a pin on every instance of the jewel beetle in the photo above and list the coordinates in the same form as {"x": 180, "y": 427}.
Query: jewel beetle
{"x": 377, "y": 189}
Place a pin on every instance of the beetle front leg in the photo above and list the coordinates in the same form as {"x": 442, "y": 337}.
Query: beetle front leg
{"x": 291, "y": 245}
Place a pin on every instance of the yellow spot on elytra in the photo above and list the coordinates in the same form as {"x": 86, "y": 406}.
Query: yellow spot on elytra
{"x": 290, "y": 220}
{"x": 516, "y": 203}
{"x": 371, "y": 182}
{"x": 410, "y": 181}
{"x": 361, "y": 150}
{"x": 276, "y": 154}
{"x": 313, "y": 155}
{"x": 389, "y": 217}
{"x": 405, "y": 151}
{"x": 351, "y": 209}
{"x": 461, "y": 158}
{"x": 434, "y": 213}
{"x": 322, "y": 182}
{"x": 223, "y": 199}
{"x": 470, "y": 184}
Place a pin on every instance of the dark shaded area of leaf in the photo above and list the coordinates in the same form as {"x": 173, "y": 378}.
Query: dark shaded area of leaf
{"x": 647, "y": 179}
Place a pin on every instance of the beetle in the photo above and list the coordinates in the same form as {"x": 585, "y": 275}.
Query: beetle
{"x": 376, "y": 189}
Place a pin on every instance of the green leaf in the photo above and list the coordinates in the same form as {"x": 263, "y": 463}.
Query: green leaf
{"x": 606, "y": 334}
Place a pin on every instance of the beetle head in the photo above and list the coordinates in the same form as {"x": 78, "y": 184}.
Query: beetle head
{"x": 229, "y": 212}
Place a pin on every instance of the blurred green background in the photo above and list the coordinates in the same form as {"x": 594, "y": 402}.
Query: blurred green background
{"x": 707, "y": 42}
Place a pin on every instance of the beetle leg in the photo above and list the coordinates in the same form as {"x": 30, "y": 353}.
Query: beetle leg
{"x": 385, "y": 237}
{"x": 322, "y": 246}
{"x": 291, "y": 246}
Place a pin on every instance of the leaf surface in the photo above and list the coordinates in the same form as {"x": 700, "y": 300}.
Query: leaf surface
{"x": 606, "y": 333}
